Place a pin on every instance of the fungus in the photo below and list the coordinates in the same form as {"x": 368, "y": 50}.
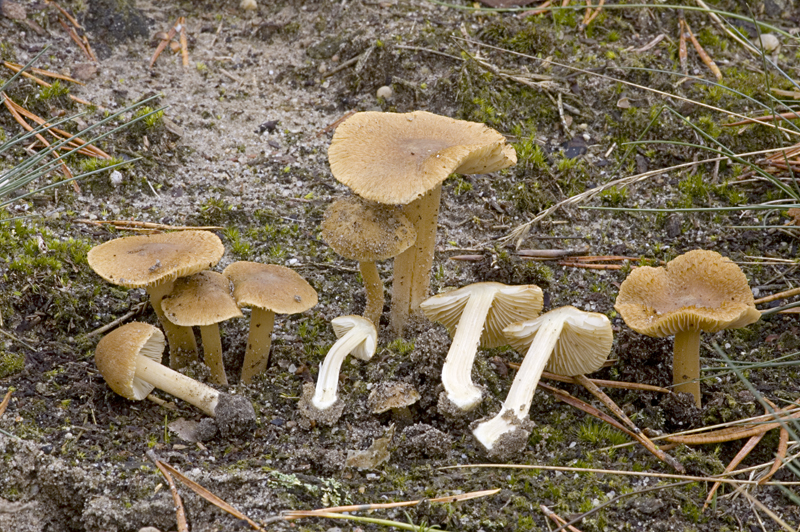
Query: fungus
{"x": 367, "y": 232}
{"x": 357, "y": 337}
{"x": 697, "y": 291}
{"x": 568, "y": 342}
{"x": 153, "y": 262}
{"x": 203, "y": 299}
{"x": 476, "y": 314}
{"x": 267, "y": 289}
{"x": 402, "y": 159}
{"x": 129, "y": 360}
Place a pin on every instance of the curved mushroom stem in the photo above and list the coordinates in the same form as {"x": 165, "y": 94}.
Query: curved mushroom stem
{"x": 196, "y": 393}
{"x": 412, "y": 268}
{"x": 374, "y": 287}
{"x": 259, "y": 340}
{"x": 328, "y": 378}
{"x": 686, "y": 363}
{"x": 457, "y": 370}
{"x": 520, "y": 396}
{"x": 212, "y": 353}
{"x": 182, "y": 345}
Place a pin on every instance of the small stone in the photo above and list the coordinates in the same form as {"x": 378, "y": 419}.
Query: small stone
{"x": 385, "y": 93}
{"x": 770, "y": 43}
{"x": 248, "y": 5}
{"x": 84, "y": 71}
{"x": 116, "y": 178}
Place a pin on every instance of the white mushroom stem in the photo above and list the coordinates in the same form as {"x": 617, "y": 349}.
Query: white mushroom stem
{"x": 203, "y": 397}
{"x": 457, "y": 370}
{"x": 182, "y": 345}
{"x": 328, "y": 378}
{"x": 259, "y": 340}
{"x": 520, "y": 396}
{"x": 686, "y": 363}
{"x": 412, "y": 268}
{"x": 212, "y": 353}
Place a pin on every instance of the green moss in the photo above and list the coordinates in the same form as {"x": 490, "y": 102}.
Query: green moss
{"x": 93, "y": 163}
{"x": 11, "y": 363}
{"x": 55, "y": 90}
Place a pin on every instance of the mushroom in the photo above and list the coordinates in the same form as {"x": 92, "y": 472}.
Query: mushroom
{"x": 357, "y": 337}
{"x": 129, "y": 360}
{"x": 568, "y": 342}
{"x": 153, "y": 262}
{"x": 476, "y": 314}
{"x": 402, "y": 159}
{"x": 268, "y": 289}
{"x": 203, "y": 299}
{"x": 697, "y": 291}
{"x": 367, "y": 232}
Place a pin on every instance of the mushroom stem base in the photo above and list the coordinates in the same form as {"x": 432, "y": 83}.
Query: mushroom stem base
{"x": 686, "y": 364}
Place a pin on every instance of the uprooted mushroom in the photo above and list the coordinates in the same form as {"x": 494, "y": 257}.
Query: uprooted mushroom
{"x": 129, "y": 358}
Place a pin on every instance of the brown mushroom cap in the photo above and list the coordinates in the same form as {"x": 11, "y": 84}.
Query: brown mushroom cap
{"x": 144, "y": 260}
{"x": 116, "y": 353}
{"x": 270, "y": 287}
{"x": 396, "y": 158}
{"x": 699, "y": 290}
{"x": 201, "y": 299}
{"x": 366, "y": 232}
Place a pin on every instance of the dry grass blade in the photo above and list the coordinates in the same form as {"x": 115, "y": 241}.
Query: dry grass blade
{"x": 638, "y": 434}
{"x": 758, "y": 119}
{"x": 184, "y": 42}
{"x": 42, "y": 72}
{"x": 133, "y": 225}
{"x": 557, "y": 518}
{"x": 565, "y": 397}
{"x": 383, "y": 506}
{"x": 76, "y": 39}
{"x": 734, "y": 433}
{"x": 180, "y": 513}
{"x": 779, "y": 295}
{"x": 769, "y": 512}
{"x": 712, "y": 66}
{"x": 741, "y": 455}
{"x": 600, "y": 382}
{"x": 5, "y": 402}
{"x": 163, "y": 44}
{"x": 210, "y": 497}
{"x": 780, "y": 456}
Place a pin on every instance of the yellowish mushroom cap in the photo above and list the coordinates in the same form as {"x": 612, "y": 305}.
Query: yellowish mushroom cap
{"x": 396, "y": 158}
{"x": 366, "y": 232}
{"x": 699, "y": 290}
{"x": 270, "y": 287}
{"x": 144, "y": 260}
{"x": 116, "y": 353}
{"x": 200, "y": 299}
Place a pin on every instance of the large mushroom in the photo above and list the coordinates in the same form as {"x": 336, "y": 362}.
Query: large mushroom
{"x": 204, "y": 300}
{"x": 402, "y": 159}
{"x": 367, "y": 232}
{"x": 153, "y": 262}
{"x": 566, "y": 341}
{"x": 476, "y": 315}
{"x": 267, "y": 289}
{"x": 129, "y": 358}
{"x": 697, "y": 291}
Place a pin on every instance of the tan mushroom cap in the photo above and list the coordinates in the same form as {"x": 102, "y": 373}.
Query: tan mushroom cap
{"x": 116, "y": 353}
{"x": 201, "y": 299}
{"x": 144, "y": 260}
{"x": 510, "y": 304}
{"x": 700, "y": 290}
{"x": 396, "y": 158}
{"x": 366, "y": 232}
{"x": 270, "y": 287}
{"x": 582, "y": 347}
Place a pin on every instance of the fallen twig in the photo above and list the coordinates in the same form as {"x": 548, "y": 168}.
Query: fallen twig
{"x": 180, "y": 513}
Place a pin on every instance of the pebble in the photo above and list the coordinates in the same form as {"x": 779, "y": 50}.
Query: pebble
{"x": 385, "y": 92}
{"x": 770, "y": 42}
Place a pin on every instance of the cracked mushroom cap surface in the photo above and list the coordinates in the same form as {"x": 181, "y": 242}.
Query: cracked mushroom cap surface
{"x": 395, "y": 158}
{"x": 366, "y": 232}
{"x": 697, "y": 290}
{"x": 116, "y": 353}
{"x": 144, "y": 260}
{"x": 270, "y": 287}
{"x": 201, "y": 299}
{"x": 510, "y": 304}
{"x": 582, "y": 347}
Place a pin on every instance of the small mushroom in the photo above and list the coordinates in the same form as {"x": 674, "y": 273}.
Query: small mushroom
{"x": 697, "y": 291}
{"x": 357, "y": 337}
{"x": 367, "y": 232}
{"x": 153, "y": 262}
{"x": 204, "y": 300}
{"x": 268, "y": 289}
{"x": 568, "y": 342}
{"x": 476, "y": 315}
{"x": 402, "y": 159}
{"x": 129, "y": 358}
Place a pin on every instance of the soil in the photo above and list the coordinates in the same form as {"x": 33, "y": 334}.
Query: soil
{"x": 242, "y": 145}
